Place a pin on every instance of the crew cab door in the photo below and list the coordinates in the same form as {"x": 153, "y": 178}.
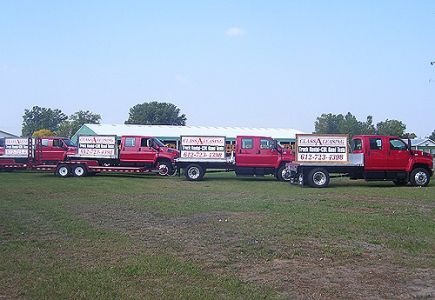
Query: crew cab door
{"x": 129, "y": 149}
{"x": 246, "y": 151}
{"x": 267, "y": 155}
{"x": 375, "y": 153}
{"x": 135, "y": 149}
{"x": 398, "y": 154}
{"x": 52, "y": 150}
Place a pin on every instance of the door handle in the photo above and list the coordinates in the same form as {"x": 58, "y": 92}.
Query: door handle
{"x": 140, "y": 149}
{"x": 240, "y": 151}
{"x": 258, "y": 152}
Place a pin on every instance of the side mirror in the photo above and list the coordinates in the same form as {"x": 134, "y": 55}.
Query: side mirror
{"x": 409, "y": 145}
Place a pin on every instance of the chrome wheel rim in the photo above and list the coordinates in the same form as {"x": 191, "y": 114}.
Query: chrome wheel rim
{"x": 63, "y": 171}
{"x": 285, "y": 175}
{"x": 79, "y": 171}
{"x": 319, "y": 178}
{"x": 193, "y": 173}
{"x": 163, "y": 170}
{"x": 420, "y": 178}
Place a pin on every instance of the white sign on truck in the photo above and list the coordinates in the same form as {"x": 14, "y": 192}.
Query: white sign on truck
{"x": 16, "y": 147}
{"x": 203, "y": 147}
{"x": 97, "y": 146}
{"x": 322, "y": 148}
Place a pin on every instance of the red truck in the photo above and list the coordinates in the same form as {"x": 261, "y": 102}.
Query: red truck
{"x": 253, "y": 156}
{"x": 131, "y": 154}
{"x": 371, "y": 157}
{"x": 45, "y": 150}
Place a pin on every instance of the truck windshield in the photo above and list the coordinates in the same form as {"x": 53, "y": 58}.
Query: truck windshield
{"x": 69, "y": 143}
{"x": 2, "y": 142}
{"x": 158, "y": 142}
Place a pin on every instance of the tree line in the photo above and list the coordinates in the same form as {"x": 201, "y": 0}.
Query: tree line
{"x": 41, "y": 121}
{"x": 350, "y": 125}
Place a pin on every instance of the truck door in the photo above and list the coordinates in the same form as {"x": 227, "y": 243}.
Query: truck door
{"x": 52, "y": 150}
{"x": 267, "y": 156}
{"x": 398, "y": 154}
{"x": 147, "y": 153}
{"x": 246, "y": 155}
{"x": 129, "y": 149}
{"x": 375, "y": 154}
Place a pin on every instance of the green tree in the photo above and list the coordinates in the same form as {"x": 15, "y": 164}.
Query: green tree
{"x": 432, "y": 136}
{"x": 329, "y": 123}
{"x": 68, "y": 127}
{"x": 41, "y": 118}
{"x": 156, "y": 113}
{"x": 390, "y": 127}
{"x": 368, "y": 127}
{"x": 350, "y": 125}
{"x": 409, "y": 135}
{"x": 42, "y": 133}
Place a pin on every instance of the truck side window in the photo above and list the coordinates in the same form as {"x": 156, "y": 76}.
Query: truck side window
{"x": 396, "y": 144}
{"x": 356, "y": 144}
{"x": 44, "y": 142}
{"x": 247, "y": 144}
{"x": 376, "y": 144}
{"x": 130, "y": 142}
{"x": 144, "y": 142}
{"x": 57, "y": 143}
{"x": 265, "y": 144}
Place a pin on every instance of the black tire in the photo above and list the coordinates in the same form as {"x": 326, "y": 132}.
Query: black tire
{"x": 194, "y": 172}
{"x": 63, "y": 171}
{"x": 400, "y": 182}
{"x": 419, "y": 177}
{"x": 318, "y": 178}
{"x": 79, "y": 171}
{"x": 282, "y": 174}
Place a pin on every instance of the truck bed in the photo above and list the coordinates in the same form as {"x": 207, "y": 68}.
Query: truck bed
{"x": 355, "y": 160}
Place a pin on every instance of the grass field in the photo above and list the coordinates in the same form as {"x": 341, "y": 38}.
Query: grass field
{"x": 225, "y": 237}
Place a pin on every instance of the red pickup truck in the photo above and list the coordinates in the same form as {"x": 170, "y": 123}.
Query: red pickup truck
{"x": 253, "y": 156}
{"x": 371, "y": 157}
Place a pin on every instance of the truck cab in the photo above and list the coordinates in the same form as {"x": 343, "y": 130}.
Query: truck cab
{"x": 260, "y": 155}
{"x": 391, "y": 158}
{"x": 146, "y": 151}
{"x": 54, "y": 149}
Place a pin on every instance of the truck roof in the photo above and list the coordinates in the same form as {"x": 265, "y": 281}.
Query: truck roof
{"x": 375, "y": 136}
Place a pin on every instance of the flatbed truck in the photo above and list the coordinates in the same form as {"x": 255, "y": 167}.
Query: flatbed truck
{"x": 253, "y": 156}
{"x": 371, "y": 157}
{"x": 105, "y": 154}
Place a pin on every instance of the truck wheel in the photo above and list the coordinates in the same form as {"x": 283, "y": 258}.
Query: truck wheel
{"x": 79, "y": 171}
{"x": 194, "y": 172}
{"x": 419, "y": 177}
{"x": 63, "y": 171}
{"x": 165, "y": 168}
{"x": 283, "y": 174}
{"x": 318, "y": 178}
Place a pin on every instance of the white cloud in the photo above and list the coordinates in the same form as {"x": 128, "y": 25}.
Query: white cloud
{"x": 235, "y": 31}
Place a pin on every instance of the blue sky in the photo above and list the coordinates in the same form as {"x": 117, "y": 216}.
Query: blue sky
{"x": 224, "y": 63}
